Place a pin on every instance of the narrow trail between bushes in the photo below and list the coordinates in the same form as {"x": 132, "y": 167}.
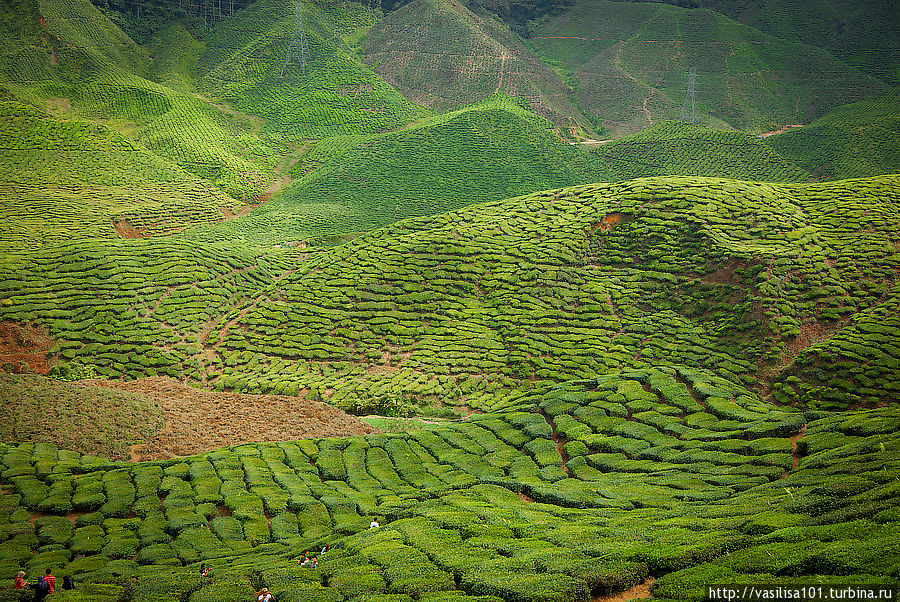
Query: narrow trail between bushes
{"x": 559, "y": 441}
{"x": 795, "y": 450}
{"x": 639, "y": 591}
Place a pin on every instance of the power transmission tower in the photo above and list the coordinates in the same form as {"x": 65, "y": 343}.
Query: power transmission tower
{"x": 689, "y": 108}
{"x": 297, "y": 49}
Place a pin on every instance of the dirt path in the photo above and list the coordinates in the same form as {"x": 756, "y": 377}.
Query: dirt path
{"x": 559, "y": 441}
{"x": 502, "y": 65}
{"x": 795, "y": 451}
{"x": 198, "y": 421}
{"x": 639, "y": 591}
{"x": 780, "y": 130}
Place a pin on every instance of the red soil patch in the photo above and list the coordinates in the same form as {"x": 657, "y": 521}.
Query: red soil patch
{"x": 609, "y": 222}
{"x": 200, "y": 421}
{"x": 780, "y": 130}
{"x": 125, "y": 229}
{"x": 25, "y": 347}
{"x": 639, "y": 591}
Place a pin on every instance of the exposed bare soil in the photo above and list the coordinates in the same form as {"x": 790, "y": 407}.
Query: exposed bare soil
{"x": 24, "y": 345}
{"x": 639, "y": 591}
{"x": 199, "y": 421}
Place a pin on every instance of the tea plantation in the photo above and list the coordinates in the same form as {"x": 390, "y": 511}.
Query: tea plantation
{"x": 571, "y": 491}
{"x": 627, "y": 63}
{"x": 593, "y": 353}
{"x": 763, "y": 284}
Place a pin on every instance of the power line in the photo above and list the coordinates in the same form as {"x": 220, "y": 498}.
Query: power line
{"x": 297, "y": 49}
{"x": 689, "y": 107}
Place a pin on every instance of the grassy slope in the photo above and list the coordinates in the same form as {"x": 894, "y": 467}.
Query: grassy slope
{"x": 83, "y": 418}
{"x": 739, "y": 278}
{"x": 491, "y": 150}
{"x": 635, "y": 57}
{"x": 673, "y": 473}
{"x": 675, "y": 148}
{"x": 439, "y": 53}
{"x": 81, "y": 65}
{"x": 852, "y": 141}
{"x": 65, "y": 179}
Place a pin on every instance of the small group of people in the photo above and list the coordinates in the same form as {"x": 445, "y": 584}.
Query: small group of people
{"x": 312, "y": 561}
{"x": 45, "y": 584}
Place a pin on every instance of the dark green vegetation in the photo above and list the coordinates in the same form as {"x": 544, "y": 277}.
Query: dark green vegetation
{"x": 82, "y": 418}
{"x": 627, "y": 63}
{"x": 571, "y": 491}
{"x": 860, "y": 32}
{"x": 757, "y": 282}
{"x": 853, "y": 141}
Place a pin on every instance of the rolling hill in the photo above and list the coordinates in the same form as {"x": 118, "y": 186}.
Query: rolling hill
{"x": 852, "y": 141}
{"x": 611, "y": 369}
{"x": 628, "y": 62}
{"x": 751, "y": 281}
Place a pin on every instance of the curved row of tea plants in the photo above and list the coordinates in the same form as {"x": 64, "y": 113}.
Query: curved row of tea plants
{"x": 578, "y": 490}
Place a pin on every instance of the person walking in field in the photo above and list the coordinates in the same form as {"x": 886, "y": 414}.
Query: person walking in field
{"x": 264, "y": 595}
{"x": 20, "y": 580}
{"x": 51, "y": 582}
{"x": 68, "y": 582}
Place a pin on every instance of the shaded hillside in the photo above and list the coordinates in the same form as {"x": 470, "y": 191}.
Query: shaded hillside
{"x": 439, "y": 53}
{"x": 244, "y": 64}
{"x": 856, "y": 140}
{"x": 677, "y": 148}
{"x": 863, "y": 33}
{"x": 574, "y": 492}
{"x": 475, "y": 305}
{"x": 628, "y": 64}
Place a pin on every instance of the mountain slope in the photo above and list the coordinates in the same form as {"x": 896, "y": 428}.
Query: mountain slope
{"x": 337, "y": 94}
{"x": 677, "y": 148}
{"x": 443, "y": 55}
{"x": 487, "y": 151}
{"x": 628, "y": 63}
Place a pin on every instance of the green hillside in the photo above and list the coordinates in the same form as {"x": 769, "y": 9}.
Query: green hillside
{"x": 69, "y": 58}
{"x": 677, "y": 148}
{"x": 336, "y": 95}
{"x": 65, "y": 179}
{"x": 749, "y": 280}
{"x": 628, "y": 62}
{"x": 852, "y": 141}
{"x": 573, "y": 492}
{"x": 860, "y": 32}
{"x": 488, "y": 151}
{"x": 439, "y": 53}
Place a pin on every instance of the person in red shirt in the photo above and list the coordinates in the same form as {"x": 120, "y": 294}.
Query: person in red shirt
{"x": 51, "y": 581}
{"x": 20, "y": 580}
